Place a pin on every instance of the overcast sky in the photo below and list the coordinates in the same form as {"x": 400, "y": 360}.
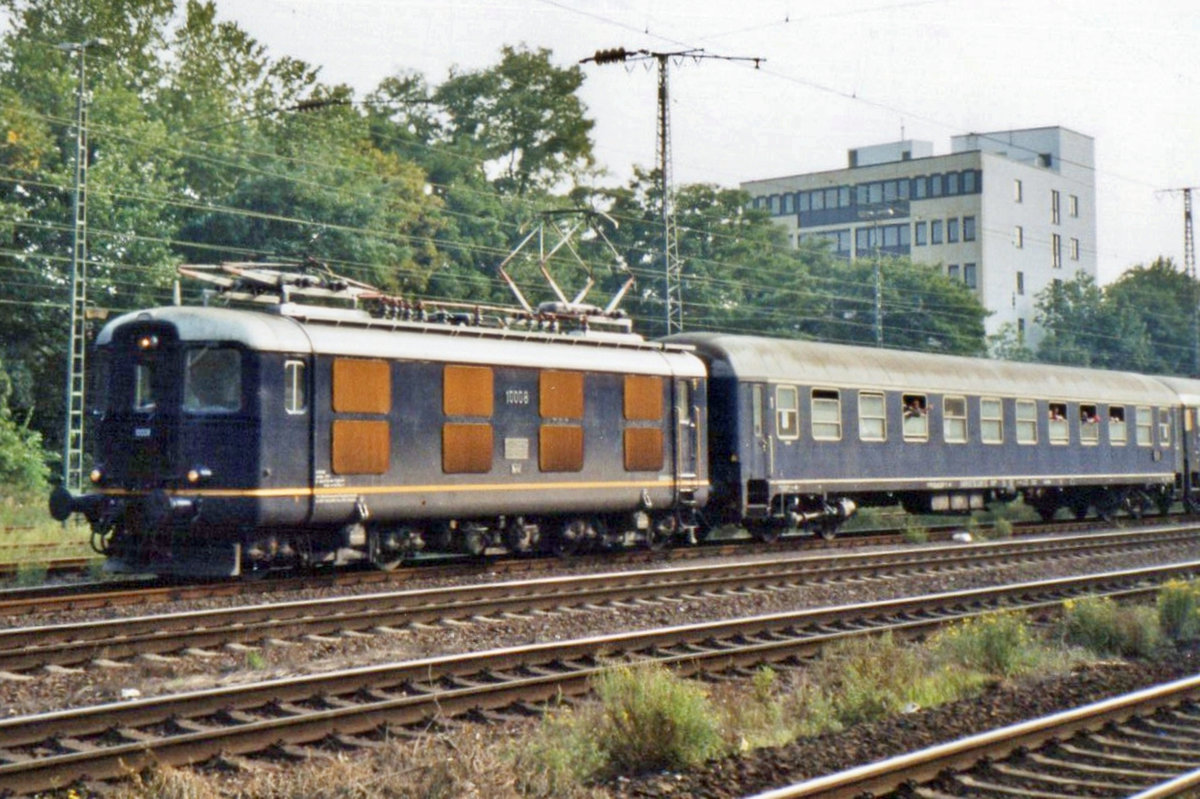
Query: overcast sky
{"x": 837, "y": 75}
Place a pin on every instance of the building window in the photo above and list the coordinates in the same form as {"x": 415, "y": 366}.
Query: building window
{"x": 935, "y": 232}
{"x": 920, "y": 234}
{"x": 876, "y": 192}
{"x": 1073, "y": 206}
{"x": 818, "y": 201}
{"x": 952, "y": 271}
{"x": 803, "y": 202}
{"x": 1074, "y": 249}
{"x": 969, "y": 276}
{"x": 935, "y": 185}
{"x": 1056, "y": 250}
{"x": 1018, "y": 192}
{"x": 920, "y": 188}
{"x": 970, "y": 182}
{"x": 951, "y": 183}
{"x": 861, "y": 194}
{"x": 788, "y": 200}
{"x": 969, "y": 228}
{"x": 1055, "y": 216}
{"x": 952, "y": 230}
{"x": 843, "y": 196}
{"x": 1018, "y": 237}
{"x": 1021, "y": 283}
{"x": 1021, "y": 330}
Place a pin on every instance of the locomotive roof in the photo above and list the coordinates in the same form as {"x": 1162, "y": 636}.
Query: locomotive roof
{"x": 844, "y": 366}
{"x": 368, "y": 337}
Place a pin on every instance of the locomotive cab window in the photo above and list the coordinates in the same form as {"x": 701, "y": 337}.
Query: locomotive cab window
{"x": 295, "y": 389}
{"x": 954, "y": 420}
{"x": 143, "y": 387}
{"x": 1027, "y": 422}
{"x": 826, "y": 415}
{"x": 1164, "y": 427}
{"x": 787, "y": 412}
{"x": 212, "y": 380}
{"x": 1144, "y": 420}
{"x": 991, "y": 421}
{"x": 1118, "y": 433}
{"x": 916, "y": 417}
{"x": 1059, "y": 433}
{"x": 1089, "y": 425}
{"x": 872, "y": 417}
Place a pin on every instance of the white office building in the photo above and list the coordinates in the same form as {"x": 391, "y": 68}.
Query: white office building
{"x": 1006, "y": 212}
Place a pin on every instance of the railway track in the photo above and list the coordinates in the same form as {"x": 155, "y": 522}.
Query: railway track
{"x": 146, "y": 590}
{"x": 1145, "y": 744}
{"x": 54, "y": 749}
{"x": 30, "y": 647}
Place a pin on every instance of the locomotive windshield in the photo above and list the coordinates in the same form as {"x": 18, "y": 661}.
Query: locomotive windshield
{"x": 213, "y": 380}
{"x": 143, "y": 387}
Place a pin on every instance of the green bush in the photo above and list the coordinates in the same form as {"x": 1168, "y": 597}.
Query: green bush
{"x": 1179, "y": 609}
{"x": 1104, "y": 627}
{"x": 560, "y": 755}
{"x": 22, "y": 461}
{"x": 914, "y": 533}
{"x": 996, "y": 643}
{"x": 652, "y": 719}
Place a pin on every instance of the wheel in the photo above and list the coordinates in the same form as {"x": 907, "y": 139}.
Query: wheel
{"x": 518, "y": 536}
{"x": 764, "y": 531}
{"x": 661, "y": 531}
{"x": 827, "y": 529}
{"x": 573, "y": 538}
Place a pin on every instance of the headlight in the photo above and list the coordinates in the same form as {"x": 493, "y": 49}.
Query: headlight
{"x": 96, "y": 476}
{"x": 199, "y": 473}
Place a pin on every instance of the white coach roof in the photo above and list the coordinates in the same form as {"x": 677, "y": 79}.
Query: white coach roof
{"x": 364, "y": 337}
{"x": 841, "y": 366}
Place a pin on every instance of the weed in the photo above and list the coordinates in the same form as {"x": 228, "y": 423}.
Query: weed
{"x": 914, "y": 533}
{"x": 1104, "y": 627}
{"x": 30, "y": 574}
{"x": 652, "y": 719}
{"x": 996, "y": 643}
{"x": 1179, "y": 609}
{"x": 256, "y": 660}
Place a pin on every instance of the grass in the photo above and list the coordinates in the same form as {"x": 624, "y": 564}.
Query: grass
{"x": 1102, "y": 626}
{"x": 25, "y": 521}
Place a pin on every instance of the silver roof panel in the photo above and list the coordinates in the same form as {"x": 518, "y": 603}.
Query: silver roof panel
{"x": 843, "y": 366}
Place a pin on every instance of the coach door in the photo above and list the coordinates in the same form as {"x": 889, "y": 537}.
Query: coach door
{"x": 687, "y": 426}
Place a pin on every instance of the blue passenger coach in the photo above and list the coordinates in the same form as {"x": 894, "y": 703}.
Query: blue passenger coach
{"x": 803, "y": 432}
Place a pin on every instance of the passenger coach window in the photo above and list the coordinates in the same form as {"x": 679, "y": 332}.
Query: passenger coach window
{"x": 1145, "y": 427}
{"x": 916, "y": 418}
{"x": 826, "y": 415}
{"x": 1164, "y": 427}
{"x": 787, "y": 412}
{"x": 872, "y": 417}
{"x": 1026, "y": 422}
{"x": 295, "y": 390}
{"x": 1059, "y": 432}
{"x": 954, "y": 420}
{"x": 991, "y": 421}
{"x": 1089, "y": 425}
{"x": 212, "y": 380}
{"x": 1117, "y": 432}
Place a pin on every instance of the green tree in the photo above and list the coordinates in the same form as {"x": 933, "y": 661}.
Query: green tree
{"x": 1081, "y": 329}
{"x": 1164, "y": 300}
{"x": 522, "y": 118}
{"x": 22, "y": 461}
